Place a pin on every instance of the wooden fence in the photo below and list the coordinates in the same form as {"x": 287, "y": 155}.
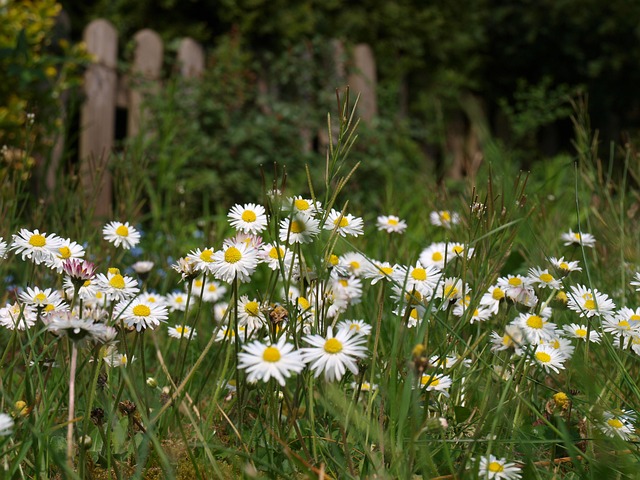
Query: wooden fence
{"x": 106, "y": 90}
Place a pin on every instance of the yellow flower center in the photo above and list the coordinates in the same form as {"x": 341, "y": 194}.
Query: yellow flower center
{"x": 561, "y": 399}
{"x": 297, "y": 226}
{"x": 141, "y": 311}
{"x": 212, "y": 288}
{"x": 49, "y": 308}
{"x": 386, "y": 270}
{"x": 450, "y": 291}
{"x": 393, "y": 221}
{"x": 343, "y": 282}
{"x": 562, "y": 297}
{"x": 37, "y": 240}
{"x": 496, "y": 467}
{"x": 534, "y": 321}
{"x": 431, "y": 381}
{"x": 301, "y": 204}
{"x": 507, "y": 341}
{"x": 581, "y": 332}
{"x": 341, "y": 222}
{"x": 303, "y": 303}
{"x": 577, "y": 236}
{"x": 615, "y": 423}
{"x": 40, "y": 297}
{"x": 419, "y": 274}
{"x": 86, "y": 283}
{"x": 564, "y": 266}
{"x": 178, "y": 300}
{"x": 515, "y": 282}
{"x": 181, "y": 330}
{"x": 354, "y": 265}
{"x": 590, "y": 305}
{"x": 252, "y": 308}
{"x": 354, "y": 326}
{"x": 624, "y": 324}
{"x": 113, "y": 270}
{"x": 123, "y": 360}
{"x": 436, "y": 257}
{"x": 248, "y": 216}
{"x": 546, "y": 277}
{"x": 414, "y": 313}
{"x": 635, "y": 317}
{"x": 276, "y": 253}
{"x": 333, "y": 345}
{"x": 543, "y": 357}
{"x": 207, "y": 255}
{"x": 497, "y": 294}
{"x": 117, "y": 281}
{"x": 123, "y": 231}
{"x": 457, "y": 249}
{"x": 65, "y": 252}
{"x": 445, "y": 216}
{"x": 334, "y": 260}
{"x": 271, "y": 354}
{"x": 413, "y": 297}
{"x": 232, "y": 255}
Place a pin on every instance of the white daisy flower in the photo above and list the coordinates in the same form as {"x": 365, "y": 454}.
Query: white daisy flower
{"x": 346, "y": 224}
{"x": 248, "y": 218}
{"x": 180, "y": 331}
{"x": 68, "y": 250}
{"x": 478, "y": 315}
{"x": 589, "y": 302}
{"x": 542, "y": 278}
{"x": 626, "y": 323}
{"x": 448, "y": 361}
{"x": 549, "y": 358}
{"x": 37, "y": 247}
{"x": 235, "y": 261}
{"x": 355, "y": 263}
{"x": 391, "y": 224}
{"x": 220, "y": 311}
{"x": 435, "y": 382}
{"x": 143, "y": 267}
{"x": 618, "y": 424}
{"x": 358, "y": 326}
{"x": 275, "y": 255}
{"x": 577, "y": 238}
{"x": 459, "y": 250}
{"x": 564, "y": 267}
{"x": 364, "y": 386}
{"x": 121, "y": 234}
{"x": 299, "y": 229}
{"x": 227, "y": 333}
{"x": 636, "y": 281}
{"x": 435, "y": 255}
{"x": 250, "y": 313}
{"x": 562, "y": 345}
{"x": 422, "y": 279}
{"x": 43, "y": 301}
{"x": 518, "y": 289}
{"x": 18, "y": 316}
{"x": 580, "y": 332}
{"x": 142, "y": 315}
{"x": 536, "y": 328}
{"x": 3, "y": 249}
{"x": 334, "y": 354}
{"x": 201, "y": 260}
{"x": 213, "y": 291}
{"x": 176, "y": 301}
{"x": 187, "y": 268}
{"x": 116, "y": 286}
{"x": 494, "y": 468}
{"x": 304, "y": 206}
{"x": 152, "y": 297}
{"x": 6, "y": 425}
{"x": 450, "y": 289}
{"x": 491, "y": 300}
{"x": 80, "y": 331}
{"x": 262, "y": 361}
{"x": 444, "y": 218}
{"x": 115, "y": 359}
{"x": 376, "y": 271}
{"x": 347, "y": 288}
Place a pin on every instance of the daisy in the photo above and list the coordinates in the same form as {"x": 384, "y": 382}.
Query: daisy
{"x": 355, "y": 263}
{"x": 116, "y": 359}
{"x": 201, "y": 260}
{"x": 152, "y": 297}
{"x": 513, "y": 338}
{"x": 275, "y": 255}
{"x": 6, "y": 424}
{"x": 248, "y": 218}
{"x": 435, "y": 254}
{"x": 564, "y": 267}
{"x": 180, "y": 331}
{"x": 299, "y": 229}
{"x": 451, "y": 289}
{"x": 535, "y": 327}
{"x": 66, "y": 251}
{"x": 422, "y": 279}
{"x": 43, "y": 301}
{"x": 435, "y": 382}
{"x": 121, "y": 234}
{"x": 636, "y": 281}
{"x": 492, "y": 467}
{"x": 618, "y": 424}
{"x": 580, "y": 332}
{"x": 518, "y": 289}
{"x": 590, "y": 302}
{"x": 334, "y": 354}
{"x": 626, "y": 323}
{"x": 213, "y": 291}
{"x": 549, "y": 358}
{"x": 478, "y": 315}
{"x": 376, "y": 271}
{"x": 449, "y": 361}
{"x": 250, "y": 313}
{"x": 36, "y": 246}
{"x": 142, "y": 315}
{"x": 18, "y": 316}
{"x": 577, "y": 238}
{"x": 225, "y": 332}
{"x": 220, "y": 311}
{"x": 78, "y": 271}
{"x": 364, "y": 386}
{"x": 235, "y": 261}
{"x": 3, "y": 249}
{"x": 176, "y": 301}
{"x": 347, "y": 288}
{"x": 562, "y": 345}
{"x": 391, "y": 224}
{"x": 265, "y": 361}
{"x": 304, "y": 206}
{"x": 542, "y": 278}
{"x": 80, "y": 331}
{"x": 358, "y": 326}
{"x": 187, "y": 268}
{"x": 143, "y": 267}
{"x": 491, "y": 300}
{"x": 444, "y": 218}
{"x": 115, "y": 286}
{"x": 345, "y": 224}
{"x": 460, "y": 250}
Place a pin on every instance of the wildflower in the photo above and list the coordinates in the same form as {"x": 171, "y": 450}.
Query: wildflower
{"x": 18, "y": 316}
{"x": 543, "y": 279}
{"x": 450, "y": 289}
{"x": 347, "y": 288}
{"x": 180, "y": 331}
{"x": 80, "y": 331}
{"x": 618, "y": 424}
{"x": 304, "y": 206}
{"x": 143, "y": 267}
{"x": 577, "y": 238}
{"x": 364, "y": 386}
{"x": 249, "y": 313}
{"x": 345, "y": 224}
{"x": 43, "y": 301}
{"x": 3, "y": 249}
{"x": 249, "y": 218}
{"x": 37, "y": 247}
{"x": 459, "y": 250}
{"x": 590, "y": 302}
{"x": 562, "y": 345}
{"x": 444, "y": 218}
{"x": 235, "y": 261}
{"x": 549, "y": 358}
{"x": 564, "y": 267}
{"x": 142, "y": 315}
{"x": 78, "y": 271}
{"x": 227, "y": 332}
{"x": 354, "y": 263}
{"x": 299, "y": 229}
{"x": 492, "y": 467}
{"x": 334, "y": 354}
{"x": 213, "y": 291}
{"x": 176, "y": 301}
{"x": 436, "y": 382}
{"x": 435, "y": 255}
{"x": 6, "y": 425}
{"x": 275, "y": 255}
{"x": 358, "y": 326}
{"x": 580, "y": 332}
{"x": 636, "y": 281}
{"x": 391, "y": 224}
{"x": 66, "y": 251}
{"x": 518, "y": 289}
{"x": 121, "y": 234}
{"x": 220, "y": 311}
{"x": 478, "y": 315}
{"x": 422, "y": 279}
{"x": 115, "y": 359}
{"x": 491, "y": 300}
{"x": 626, "y": 323}
{"x": 187, "y": 268}
{"x": 513, "y": 337}
{"x": 264, "y": 361}
{"x": 152, "y": 297}
{"x": 535, "y": 327}
{"x": 448, "y": 361}
{"x": 202, "y": 260}
{"x": 115, "y": 286}
{"x": 376, "y": 271}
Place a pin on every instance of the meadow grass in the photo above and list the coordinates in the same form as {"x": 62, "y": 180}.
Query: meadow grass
{"x": 465, "y": 356}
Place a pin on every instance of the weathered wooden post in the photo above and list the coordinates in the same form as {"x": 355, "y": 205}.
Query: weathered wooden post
{"x": 145, "y": 71}
{"x": 97, "y": 117}
{"x": 190, "y": 58}
{"x": 363, "y": 80}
